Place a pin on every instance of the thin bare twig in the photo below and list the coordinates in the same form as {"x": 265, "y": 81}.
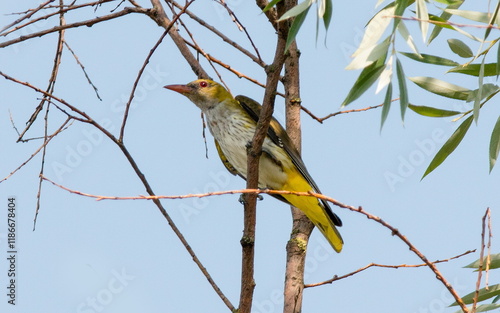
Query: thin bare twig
{"x": 83, "y": 69}
{"x": 197, "y": 47}
{"x": 51, "y": 85}
{"x": 322, "y": 119}
{"x": 160, "y": 17}
{"x": 443, "y": 23}
{"x": 488, "y": 258}
{"x": 141, "y": 71}
{"x": 228, "y": 67}
{"x": 203, "y": 127}
{"x": 272, "y": 14}
{"x": 50, "y": 90}
{"x": 49, "y": 138}
{"x": 117, "y": 6}
{"x": 136, "y": 82}
{"x": 212, "y": 60}
{"x": 134, "y": 3}
{"x": 214, "y": 30}
{"x": 87, "y": 119}
{"x": 394, "y": 231}
{"x": 481, "y": 258}
{"x": 27, "y": 15}
{"x": 146, "y": 61}
{"x": 335, "y": 278}
{"x": 240, "y": 27}
{"x": 84, "y": 116}
{"x": 125, "y": 11}
{"x": 69, "y": 8}
{"x": 13, "y": 124}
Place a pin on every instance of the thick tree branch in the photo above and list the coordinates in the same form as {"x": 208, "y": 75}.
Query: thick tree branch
{"x": 271, "y": 14}
{"x": 301, "y": 226}
{"x": 160, "y": 17}
{"x": 254, "y": 151}
{"x": 214, "y": 30}
{"x": 228, "y": 67}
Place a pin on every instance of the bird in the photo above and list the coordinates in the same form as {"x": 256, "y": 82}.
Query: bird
{"x": 232, "y": 122}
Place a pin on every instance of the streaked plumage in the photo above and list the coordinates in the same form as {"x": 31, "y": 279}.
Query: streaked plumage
{"x": 232, "y": 122}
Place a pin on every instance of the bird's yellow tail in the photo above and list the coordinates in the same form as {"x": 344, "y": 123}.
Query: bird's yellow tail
{"x": 313, "y": 209}
{"x": 316, "y": 213}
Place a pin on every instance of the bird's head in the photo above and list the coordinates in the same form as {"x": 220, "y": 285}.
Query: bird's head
{"x": 205, "y": 93}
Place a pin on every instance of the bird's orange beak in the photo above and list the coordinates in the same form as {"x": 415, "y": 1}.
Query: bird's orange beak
{"x": 182, "y": 89}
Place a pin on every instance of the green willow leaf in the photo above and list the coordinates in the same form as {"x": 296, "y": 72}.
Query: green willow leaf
{"x": 494, "y": 261}
{"x": 442, "y": 23}
{"x": 387, "y": 105}
{"x": 498, "y": 60}
{"x": 375, "y": 28}
{"x": 430, "y": 59}
{"x": 441, "y": 88}
{"x": 432, "y": 112}
{"x": 445, "y": 16}
{"x": 270, "y": 5}
{"x": 475, "y": 16}
{"x": 407, "y": 37}
{"x": 369, "y": 55}
{"x": 386, "y": 76}
{"x": 448, "y": 2}
{"x": 296, "y": 10}
{"x": 327, "y": 16}
{"x": 494, "y": 148}
{"x": 482, "y": 307}
{"x": 457, "y": 29}
{"x": 367, "y": 77}
{"x": 401, "y": 6}
{"x": 490, "y": 69}
{"x": 423, "y": 16}
{"x": 449, "y": 146}
{"x": 295, "y": 27}
{"x": 483, "y": 294}
{"x": 487, "y": 307}
{"x": 479, "y": 94}
{"x": 460, "y": 48}
{"x": 403, "y": 91}
{"x": 492, "y": 21}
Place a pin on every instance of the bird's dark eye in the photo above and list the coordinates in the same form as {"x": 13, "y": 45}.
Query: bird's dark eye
{"x": 203, "y": 84}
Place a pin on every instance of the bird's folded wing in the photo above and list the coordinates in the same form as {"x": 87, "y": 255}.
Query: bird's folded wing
{"x": 279, "y": 136}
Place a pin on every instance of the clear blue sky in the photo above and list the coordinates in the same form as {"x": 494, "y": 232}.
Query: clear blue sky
{"x": 121, "y": 256}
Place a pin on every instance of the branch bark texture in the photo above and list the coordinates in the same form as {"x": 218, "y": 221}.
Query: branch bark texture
{"x": 254, "y": 152}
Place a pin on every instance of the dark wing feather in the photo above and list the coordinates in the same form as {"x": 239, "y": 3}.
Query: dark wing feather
{"x": 279, "y": 136}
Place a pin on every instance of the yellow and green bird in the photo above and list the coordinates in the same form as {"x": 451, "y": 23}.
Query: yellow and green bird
{"x": 232, "y": 122}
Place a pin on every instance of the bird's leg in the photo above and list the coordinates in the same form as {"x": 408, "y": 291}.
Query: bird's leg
{"x": 241, "y": 199}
